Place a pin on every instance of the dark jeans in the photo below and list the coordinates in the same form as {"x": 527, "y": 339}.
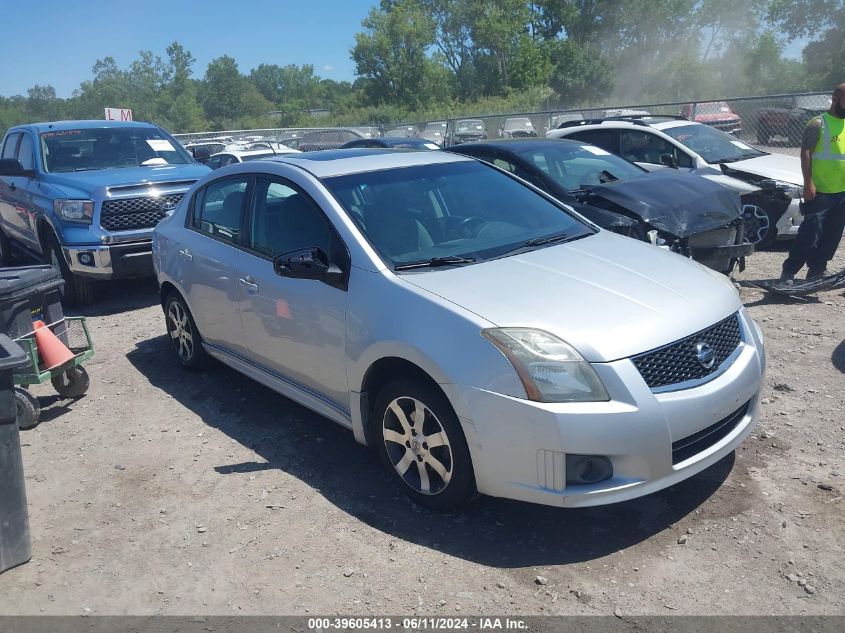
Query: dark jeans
{"x": 818, "y": 234}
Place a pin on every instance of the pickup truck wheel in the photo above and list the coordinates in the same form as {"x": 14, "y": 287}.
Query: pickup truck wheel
{"x": 78, "y": 291}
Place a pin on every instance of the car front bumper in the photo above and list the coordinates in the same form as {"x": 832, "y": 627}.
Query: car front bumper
{"x": 114, "y": 261}
{"x": 519, "y": 448}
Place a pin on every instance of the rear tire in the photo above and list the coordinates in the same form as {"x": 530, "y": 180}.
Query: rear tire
{"x": 420, "y": 441}
{"x": 78, "y": 291}
{"x": 28, "y": 408}
{"x": 182, "y": 332}
{"x": 73, "y": 383}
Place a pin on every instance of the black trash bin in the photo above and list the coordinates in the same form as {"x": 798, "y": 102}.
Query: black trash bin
{"x": 15, "y": 546}
{"x": 28, "y": 291}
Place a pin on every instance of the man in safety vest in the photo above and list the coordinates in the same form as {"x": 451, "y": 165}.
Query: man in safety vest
{"x": 823, "y": 166}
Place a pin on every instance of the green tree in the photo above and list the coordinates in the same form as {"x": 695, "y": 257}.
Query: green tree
{"x": 391, "y": 53}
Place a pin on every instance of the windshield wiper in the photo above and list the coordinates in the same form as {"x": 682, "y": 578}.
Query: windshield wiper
{"x": 434, "y": 262}
{"x": 549, "y": 239}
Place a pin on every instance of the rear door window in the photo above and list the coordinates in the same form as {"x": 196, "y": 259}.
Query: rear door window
{"x": 10, "y": 147}
{"x": 606, "y": 139}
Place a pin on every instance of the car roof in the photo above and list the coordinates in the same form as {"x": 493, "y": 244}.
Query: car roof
{"x": 246, "y": 152}
{"x": 339, "y": 162}
{"x": 88, "y": 125}
{"x": 516, "y": 145}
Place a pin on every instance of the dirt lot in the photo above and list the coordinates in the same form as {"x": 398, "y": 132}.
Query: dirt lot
{"x": 168, "y": 492}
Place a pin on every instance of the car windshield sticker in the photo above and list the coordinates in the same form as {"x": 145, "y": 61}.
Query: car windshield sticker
{"x": 61, "y": 133}
{"x": 160, "y": 145}
{"x": 741, "y": 145}
{"x": 598, "y": 151}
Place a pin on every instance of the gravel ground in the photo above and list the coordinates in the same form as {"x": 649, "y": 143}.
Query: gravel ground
{"x": 169, "y": 492}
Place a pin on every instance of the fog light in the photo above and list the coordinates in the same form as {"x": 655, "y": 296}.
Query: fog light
{"x": 587, "y": 469}
{"x": 86, "y": 259}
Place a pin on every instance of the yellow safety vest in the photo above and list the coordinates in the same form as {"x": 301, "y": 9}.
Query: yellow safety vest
{"x": 829, "y": 156}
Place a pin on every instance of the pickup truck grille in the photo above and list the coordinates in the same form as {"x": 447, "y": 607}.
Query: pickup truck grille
{"x": 676, "y": 363}
{"x": 136, "y": 213}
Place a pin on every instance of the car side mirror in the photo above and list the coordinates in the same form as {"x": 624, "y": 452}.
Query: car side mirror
{"x": 669, "y": 161}
{"x": 308, "y": 263}
{"x": 201, "y": 154}
{"x": 13, "y": 167}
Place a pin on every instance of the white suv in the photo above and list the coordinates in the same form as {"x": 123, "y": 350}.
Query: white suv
{"x": 770, "y": 182}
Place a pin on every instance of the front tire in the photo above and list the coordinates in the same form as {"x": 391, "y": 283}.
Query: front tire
{"x": 28, "y": 408}
{"x": 182, "y": 333}
{"x": 420, "y": 440}
{"x": 78, "y": 291}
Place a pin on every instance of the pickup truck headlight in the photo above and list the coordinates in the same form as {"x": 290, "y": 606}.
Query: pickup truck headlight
{"x": 74, "y": 210}
{"x": 550, "y": 369}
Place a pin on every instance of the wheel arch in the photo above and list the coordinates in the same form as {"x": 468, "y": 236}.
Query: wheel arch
{"x": 378, "y": 373}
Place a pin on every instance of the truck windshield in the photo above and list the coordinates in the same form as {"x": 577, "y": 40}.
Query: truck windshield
{"x": 109, "y": 148}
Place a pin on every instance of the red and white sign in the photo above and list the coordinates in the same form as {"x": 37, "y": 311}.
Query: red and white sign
{"x": 118, "y": 114}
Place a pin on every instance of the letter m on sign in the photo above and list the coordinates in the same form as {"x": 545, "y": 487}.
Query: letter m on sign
{"x": 118, "y": 114}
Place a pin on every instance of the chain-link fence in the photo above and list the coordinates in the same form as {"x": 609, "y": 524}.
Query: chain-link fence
{"x": 773, "y": 123}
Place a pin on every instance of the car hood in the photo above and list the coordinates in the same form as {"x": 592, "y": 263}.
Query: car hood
{"x": 609, "y": 296}
{"x": 89, "y": 181}
{"x": 679, "y": 204}
{"x": 716, "y": 116}
{"x": 775, "y": 166}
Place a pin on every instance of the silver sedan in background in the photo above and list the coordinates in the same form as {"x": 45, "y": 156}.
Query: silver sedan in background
{"x": 480, "y": 335}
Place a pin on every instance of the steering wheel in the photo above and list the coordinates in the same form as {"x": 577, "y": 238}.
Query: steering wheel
{"x": 471, "y": 226}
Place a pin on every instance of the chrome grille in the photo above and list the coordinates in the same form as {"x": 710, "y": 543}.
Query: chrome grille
{"x": 135, "y": 213}
{"x": 677, "y": 362}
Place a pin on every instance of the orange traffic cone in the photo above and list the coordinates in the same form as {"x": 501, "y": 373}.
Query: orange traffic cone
{"x": 53, "y": 352}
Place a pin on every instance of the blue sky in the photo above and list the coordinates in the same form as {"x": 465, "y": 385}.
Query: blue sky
{"x": 56, "y": 42}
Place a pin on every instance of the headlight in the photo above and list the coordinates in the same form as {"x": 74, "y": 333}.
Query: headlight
{"x": 550, "y": 369}
{"x": 793, "y": 191}
{"x": 74, "y": 210}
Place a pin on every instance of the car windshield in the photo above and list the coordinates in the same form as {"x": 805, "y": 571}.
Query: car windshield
{"x": 575, "y": 166}
{"x": 711, "y": 144}
{"x": 108, "y": 148}
{"x": 469, "y": 126}
{"x": 517, "y": 124}
{"x": 712, "y": 107}
{"x": 431, "y": 214}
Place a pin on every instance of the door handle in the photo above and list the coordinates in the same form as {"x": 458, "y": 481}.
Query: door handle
{"x": 186, "y": 255}
{"x": 248, "y": 283}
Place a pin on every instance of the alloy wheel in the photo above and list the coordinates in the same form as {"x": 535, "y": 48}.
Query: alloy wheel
{"x": 181, "y": 334}
{"x": 757, "y": 223}
{"x": 417, "y": 445}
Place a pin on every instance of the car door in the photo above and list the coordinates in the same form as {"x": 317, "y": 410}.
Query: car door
{"x": 10, "y": 215}
{"x": 294, "y": 327}
{"x": 209, "y": 253}
{"x": 27, "y": 193}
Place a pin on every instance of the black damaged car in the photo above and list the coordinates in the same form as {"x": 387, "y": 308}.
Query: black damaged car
{"x": 687, "y": 214}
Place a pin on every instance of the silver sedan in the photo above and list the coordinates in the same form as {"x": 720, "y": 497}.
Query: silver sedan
{"x": 480, "y": 335}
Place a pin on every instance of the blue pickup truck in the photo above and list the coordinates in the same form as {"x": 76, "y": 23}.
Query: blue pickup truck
{"x": 85, "y": 196}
